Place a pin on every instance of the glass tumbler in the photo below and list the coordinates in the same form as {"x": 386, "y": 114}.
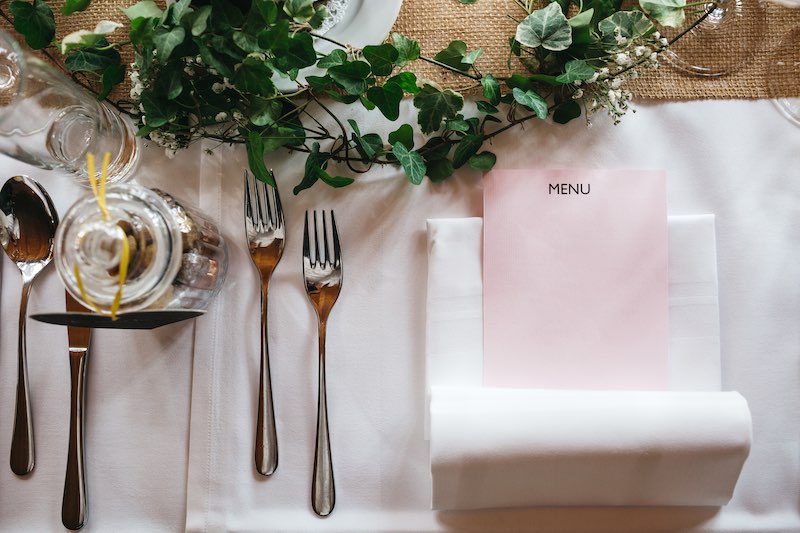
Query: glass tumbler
{"x": 177, "y": 256}
{"x": 51, "y": 122}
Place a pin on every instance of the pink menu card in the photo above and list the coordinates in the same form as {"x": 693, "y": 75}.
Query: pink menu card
{"x": 575, "y": 279}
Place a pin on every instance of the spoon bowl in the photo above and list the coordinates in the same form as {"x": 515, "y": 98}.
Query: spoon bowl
{"x": 28, "y": 222}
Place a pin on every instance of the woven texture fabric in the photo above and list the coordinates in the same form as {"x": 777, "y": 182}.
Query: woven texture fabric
{"x": 488, "y": 24}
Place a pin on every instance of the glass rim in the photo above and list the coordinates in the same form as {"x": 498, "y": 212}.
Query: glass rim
{"x": 22, "y": 61}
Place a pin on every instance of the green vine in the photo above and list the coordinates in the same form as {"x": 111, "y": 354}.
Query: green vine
{"x": 236, "y": 72}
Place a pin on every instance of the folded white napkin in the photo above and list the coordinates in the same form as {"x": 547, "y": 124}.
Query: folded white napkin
{"x": 500, "y": 448}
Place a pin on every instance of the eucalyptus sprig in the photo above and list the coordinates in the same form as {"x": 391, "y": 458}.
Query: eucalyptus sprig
{"x": 213, "y": 70}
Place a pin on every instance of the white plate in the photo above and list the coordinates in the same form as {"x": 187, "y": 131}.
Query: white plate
{"x": 365, "y": 22}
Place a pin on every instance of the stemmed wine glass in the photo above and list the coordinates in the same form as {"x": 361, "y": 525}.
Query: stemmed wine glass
{"x": 782, "y": 76}
{"x": 723, "y": 42}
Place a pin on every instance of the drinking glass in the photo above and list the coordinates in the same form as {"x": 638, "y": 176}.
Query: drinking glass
{"x": 723, "y": 42}
{"x": 51, "y": 122}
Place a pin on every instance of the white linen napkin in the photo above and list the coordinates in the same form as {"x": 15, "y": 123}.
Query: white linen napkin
{"x": 500, "y": 448}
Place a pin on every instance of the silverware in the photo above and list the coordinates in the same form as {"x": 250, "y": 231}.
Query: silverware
{"x": 73, "y": 505}
{"x": 29, "y": 222}
{"x": 323, "y": 281}
{"x": 266, "y": 235}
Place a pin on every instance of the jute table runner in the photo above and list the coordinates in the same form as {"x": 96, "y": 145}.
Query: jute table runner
{"x": 487, "y": 24}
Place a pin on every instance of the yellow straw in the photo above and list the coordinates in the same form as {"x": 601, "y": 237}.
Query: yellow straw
{"x": 99, "y": 191}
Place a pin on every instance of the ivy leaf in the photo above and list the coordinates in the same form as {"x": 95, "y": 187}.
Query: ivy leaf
{"x": 255, "y": 158}
{"x": 582, "y": 19}
{"x": 381, "y": 57}
{"x": 666, "y": 12}
{"x": 337, "y": 57}
{"x": 465, "y": 149}
{"x": 112, "y": 75}
{"x": 253, "y": 77}
{"x": 300, "y": 10}
{"x": 567, "y": 111}
{"x": 532, "y": 101}
{"x": 602, "y": 8}
{"x": 167, "y": 41}
{"x": 404, "y": 135}
{"x": 411, "y": 161}
{"x": 408, "y": 49}
{"x": 406, "y": 81}
{"x": 367, "y": 145}
{"x": 486, "y": 107}
{"x": 85, "y": 38}
{"x": 629, "y": 24}
{"x": 71, "y": 6}
{"x": 34, "y": 21}
{"x": 491, "y": 88}
{"x": 387, "y": 98}
{"x": 352, "y": 77}
{"x": 436, "y": 148}
{"x": 439, "y": 169}
{"x": 335, "y": 181}
{"x": 158, "y": 112}
{"x": 264, "y": 111}
{"x": 315, "y": 170}
{"x": 143, "y": 9}
{"x": 92, "y": 59}
{"x": 456, "y": 56}
{"x": 483, "y": 161}
{"x": 547, "y": 27}
{"x": 574, "y": 70}
{"x": 436, "y": 105}
{"x": 300, "y": 52}
{"x": 198, "y": 20}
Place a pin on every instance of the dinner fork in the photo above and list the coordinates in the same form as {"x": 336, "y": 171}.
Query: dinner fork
{"x": 266, "y": 235}
{"x": 323, "y": 281}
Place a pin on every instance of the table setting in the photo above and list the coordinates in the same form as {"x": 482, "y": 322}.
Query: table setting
{"x": 416, "y": 266}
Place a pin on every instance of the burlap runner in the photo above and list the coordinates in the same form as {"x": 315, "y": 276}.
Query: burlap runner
{"x": 487, "y": 24}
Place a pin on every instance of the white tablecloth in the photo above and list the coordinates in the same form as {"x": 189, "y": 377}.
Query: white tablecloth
{"x": 169, "y": 415}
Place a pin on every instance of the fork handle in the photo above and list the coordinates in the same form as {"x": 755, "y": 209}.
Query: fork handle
{"x": 323, "y": 492}
{"x": 266, "y": 452}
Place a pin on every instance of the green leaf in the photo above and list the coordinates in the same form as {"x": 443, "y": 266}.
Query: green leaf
{"x": 404, "y": 134}
{"x": 255, "y": 158}
{"x": 491, "y": 88}
{"x": 532, "y": 101}
{"x": 85, "y": 38}
{"x": 381, "y": 57}
{"x": 457, "y": 125}
{"x": 157, "y": 112}
{"x": 483, "y": 161}
{"x": 352, "y": 77}
{"x": 268, "y": 10}
{"x": 166, "y": 41}
{"x": 567, "y": 111}
{"x": 212, "y": 60}
{"x": 628, "y": 24}
{"x": 113, "y": 75}
{"x": 408, "y": 49}
{"x": 387, "y": 98}
{"x": 582, "y": 19}
{"x": 412, "y": 162}
{"x": 406, "y": 81}
{"x": 574, "y": 70}
{"x": 72, "y": 6}
{"x": 198, "y": 20}
{"x": 547, "y": 27}
{"x": 666, "y": 12}
{"x": 335, "y": 181}
{"x": 456, "y": 56}
{"x": 172, "y": 83}
{"x": 246, "y": 41}
{"x": 486, "y": 107}
{"x": 178, "y": 9}
{"x": 319, "y": 17}
{"x": 439, "y": 170}
{"x": 466, "y": 148}
{"x": 254, "y": 77}
{"x": 602, "y": 8}
{"x": 300, "y": 10}
{"x": 367, "y": 145}
{"x": 337, "y": 57}
{"x": 143, "y": 9}
{"x": 436, "y": 105}
{"x": 264, "y": 111}
{"x": 299, "y": 52}
{"x": 34, "y": 21}
{"x": 92, "y": 59}
{"x": 435, "y": 148}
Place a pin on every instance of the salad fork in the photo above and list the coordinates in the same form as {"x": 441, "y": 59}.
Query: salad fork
{"x": 323, "y": 281}
{"x": 266, "y": 235}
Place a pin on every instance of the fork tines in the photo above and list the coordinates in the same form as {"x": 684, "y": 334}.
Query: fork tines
{"x": 321, "y": 256}
{"x": 262, "y": 204}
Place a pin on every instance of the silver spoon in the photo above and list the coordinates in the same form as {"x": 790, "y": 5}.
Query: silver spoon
{"x": 28, "y": 223}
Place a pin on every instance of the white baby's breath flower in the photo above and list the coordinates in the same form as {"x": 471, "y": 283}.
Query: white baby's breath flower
{"x": 222, "y": 116}
{"x": 217, "y": 87}
{"x": 170, "y": 152}
{"x": 577, "y": 94}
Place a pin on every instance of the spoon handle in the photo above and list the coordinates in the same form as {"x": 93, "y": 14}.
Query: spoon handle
{"x": 22, "y": 458}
